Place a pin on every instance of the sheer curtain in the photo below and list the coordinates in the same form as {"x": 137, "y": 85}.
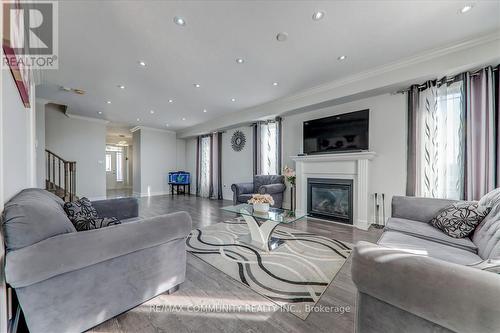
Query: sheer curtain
{"x": 267, "y": 150}
{"x": 209, "y": 158}
{"x": 204, "y": 190}
{"x": 438, "y": 133}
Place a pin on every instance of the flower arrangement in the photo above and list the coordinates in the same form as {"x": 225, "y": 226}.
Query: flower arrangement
{"x": 261, "y": 199}
{"x": 289, "y": 174}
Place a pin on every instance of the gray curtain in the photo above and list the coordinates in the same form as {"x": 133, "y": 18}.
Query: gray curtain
{"x": 198, "y": 174}
{"x": 411, "y": 174}
{"x": 483, "y": 142}
{"x": 216, "y": 166}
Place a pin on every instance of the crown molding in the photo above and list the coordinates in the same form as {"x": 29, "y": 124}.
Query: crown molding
{"x": 136, "y": 128}
{"x": 94, "y": 120}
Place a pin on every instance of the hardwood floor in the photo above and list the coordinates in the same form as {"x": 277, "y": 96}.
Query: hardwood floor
{"x": 207, "y": 286}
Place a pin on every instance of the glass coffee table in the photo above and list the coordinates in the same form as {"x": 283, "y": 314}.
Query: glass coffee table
{"x": 262, "y": 225}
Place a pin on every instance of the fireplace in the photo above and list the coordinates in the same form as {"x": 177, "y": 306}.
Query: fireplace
{"x": 330, "y": 199}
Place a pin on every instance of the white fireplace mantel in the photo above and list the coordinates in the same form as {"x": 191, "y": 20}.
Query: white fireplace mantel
{"x": 352, "y": 166}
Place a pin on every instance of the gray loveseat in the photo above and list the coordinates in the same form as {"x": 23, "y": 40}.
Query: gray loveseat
{"x": 262, "y": 184}
{"x": 418, "y": 279}
{"x": 69, "y": 281}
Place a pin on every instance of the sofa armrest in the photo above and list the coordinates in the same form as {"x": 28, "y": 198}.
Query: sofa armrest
{"x": 418, "y": 209}
{"x": 121, "y": 208}
{"x": 242, "y": 188}
{"x": 272, "y": 189}
{"x": 460, "y": 298}
{"x": 72, "y": 251}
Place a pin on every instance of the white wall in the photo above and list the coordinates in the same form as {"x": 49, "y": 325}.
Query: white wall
{"x": 136, "y": 162}
{"x": 157, "y": 156}
{"x": 41, "y": 163}
{"x": 181, "y": 155}
{"x": 388, "y": 129}
{"x": 17, "y": 158}
{"x": 16, "y": 140}
{"x": 82, "y": 141}
{"x": 237, "y": 167}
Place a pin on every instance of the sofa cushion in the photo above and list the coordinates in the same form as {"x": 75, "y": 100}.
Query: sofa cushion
{"x": 90, "y": 223}
{"x": 419, "y": 246}
{"x": 487, "y": 234}
{"x": 259, "y": 180}
{"x": 428, "y": 232}
{"x": 460, "y": 218}
{"x": 32, "y": 216}
{"x": 244, "y": 197}
{"x": 79, "y": 209}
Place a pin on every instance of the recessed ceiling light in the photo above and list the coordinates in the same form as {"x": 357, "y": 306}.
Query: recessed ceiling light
{"x": 138, "y": 119}
{"x": 108, "y": 102}
{"x": 282, "y": 36}
{"x": 121, "y": 86}
{"x": 152, "y": 111}
{"x": 466, "y": 8}
{"x": 204, "y": 110}
{"x": 233, "y": 99}
{"x": 142, "y": 63}
{"x": 179, "y": 21}
{"x": 275, "y": 84}
{"x": 99, "y": 112}
{"x": 318, "y": 15}
{"x": 167, "y": 125}
{"x": 170, "y": 100}
{"x": 183, "y": 118}
{"x": 240, "y": 60}
{"x": 343, "y": 57}
{"x": 197, "y": 85}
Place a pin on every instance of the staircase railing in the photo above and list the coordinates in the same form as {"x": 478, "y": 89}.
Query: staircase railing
{"x": 61, "y": 176}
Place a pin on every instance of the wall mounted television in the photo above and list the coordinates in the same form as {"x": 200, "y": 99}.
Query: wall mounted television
{"x": 340, "y": 133}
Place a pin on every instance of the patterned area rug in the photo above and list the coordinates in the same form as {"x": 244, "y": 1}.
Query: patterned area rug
{"x": 294, "y": 276}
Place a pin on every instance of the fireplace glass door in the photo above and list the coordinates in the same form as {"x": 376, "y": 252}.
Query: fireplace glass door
{"x": 330, "y": 199}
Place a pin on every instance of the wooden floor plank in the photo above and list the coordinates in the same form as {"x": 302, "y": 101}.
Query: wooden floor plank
{"x": 205, "y": 285}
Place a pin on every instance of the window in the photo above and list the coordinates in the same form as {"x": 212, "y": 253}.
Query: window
{"x": 442, "y": 142}
{"x": 268, "y": 151}
{"x": 108, "y": 162}
{"x": 205, "y": 167}
{"x": 267, "y": 154}
{"x": 119, "y": 166}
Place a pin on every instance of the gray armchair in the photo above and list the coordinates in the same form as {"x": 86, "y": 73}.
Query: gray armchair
{"x": 262, "y": 184}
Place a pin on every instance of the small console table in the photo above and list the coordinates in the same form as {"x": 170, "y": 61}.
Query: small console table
{"x": 177, "y": 188}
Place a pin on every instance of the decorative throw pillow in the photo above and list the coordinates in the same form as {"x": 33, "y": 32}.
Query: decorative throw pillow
{"x": 81, "y": 208}
{"x": 460, "y": 219}
{"x": 89, "y": 223}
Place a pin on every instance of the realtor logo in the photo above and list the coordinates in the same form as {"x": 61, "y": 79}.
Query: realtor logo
{"x": 30, "y": 33}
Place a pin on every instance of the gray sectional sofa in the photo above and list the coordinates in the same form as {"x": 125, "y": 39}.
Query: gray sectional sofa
{"x": 418, "y": 279}
{"x": 69, "y": 281}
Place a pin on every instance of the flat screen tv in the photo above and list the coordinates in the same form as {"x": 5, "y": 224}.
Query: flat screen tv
{"x": 340, "y": 133}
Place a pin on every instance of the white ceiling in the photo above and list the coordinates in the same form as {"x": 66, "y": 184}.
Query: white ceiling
{"x": 101, "y": 42}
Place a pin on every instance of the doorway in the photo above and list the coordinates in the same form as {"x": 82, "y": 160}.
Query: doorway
{"x": 118, "y": 171}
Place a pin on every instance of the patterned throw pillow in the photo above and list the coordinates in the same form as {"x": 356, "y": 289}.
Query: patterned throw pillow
{"x": 89, "y": 223}
{"x": 81, "y": 208}
{"x": 460, "y": 219}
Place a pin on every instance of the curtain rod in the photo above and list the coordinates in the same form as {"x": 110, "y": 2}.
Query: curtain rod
{"x": 445, "y": 80}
